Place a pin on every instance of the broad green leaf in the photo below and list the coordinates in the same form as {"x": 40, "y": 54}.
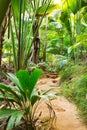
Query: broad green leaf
{"x": 34, "y": 78}
{"x": 79, "y": 44}
{"x": 18, "y": 118}
{"x": 65, "y": 19}
{"x": 14, "y": 119}
{"x": 11, "y": 123}
{"x": 16, "y": 8}
{"x": 46, "y": 8}
{"x": 24, "y": 78}
{"x": 73, "y": 47}
{"x": 53, "y": 50}
{"x": 27, "y": 81}
{"x": 4, "y": 113}
{"x": 81, "y": 40}
{"x": 74, "y": 5}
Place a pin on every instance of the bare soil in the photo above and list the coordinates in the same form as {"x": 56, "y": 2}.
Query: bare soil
{"x": 67, "y": 117}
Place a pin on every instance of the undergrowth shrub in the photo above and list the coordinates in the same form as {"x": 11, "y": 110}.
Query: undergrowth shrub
{"x": 66, "y": 72}
{"x": 81, "y": 95}
{"x": 20, "y": 102}
{"x": 75, "y": 89}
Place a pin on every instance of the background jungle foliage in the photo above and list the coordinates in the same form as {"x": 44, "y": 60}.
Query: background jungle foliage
{"x": 40, "y": 33}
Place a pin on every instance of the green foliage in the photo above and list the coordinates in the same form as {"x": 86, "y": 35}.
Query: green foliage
{"x": 73, "y": 5}
{"x": 65, "y": 20}
{"x": 80, "y": 95}
{"x": 31, "y": 66}
{"x": 27, "y": 16}
{"x": 41, "y": 10}
{"x": 75, "y": 89}
{"x": 81, "y": 40}
{"x": 15, "y": 118}
{"x": 66, "y": 72}
{"x": 22, "y": 99}
{"x": 15, "y": 6}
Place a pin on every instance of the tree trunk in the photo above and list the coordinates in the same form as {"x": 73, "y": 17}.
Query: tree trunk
{"x": 3, "y": 9}
{"x": 36, "y": 44}
{"x": 45, "y": 42}
{"x": 2, "y": 31}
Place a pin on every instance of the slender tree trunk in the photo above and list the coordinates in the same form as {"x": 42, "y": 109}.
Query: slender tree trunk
{"x": 36, "y": 50}
{"x": 3, "y": 29}
{"x": 45, "y": 42}
{"x": 19, "y": 38}
{"x": 36, "y": 44}
{"x": 0, "y": 50}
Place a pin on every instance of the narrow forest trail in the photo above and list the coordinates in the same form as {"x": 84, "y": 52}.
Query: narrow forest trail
{"x": 67, "y": 115}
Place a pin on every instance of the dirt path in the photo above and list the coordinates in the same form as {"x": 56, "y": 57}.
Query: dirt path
{"x": 67, "y": 116}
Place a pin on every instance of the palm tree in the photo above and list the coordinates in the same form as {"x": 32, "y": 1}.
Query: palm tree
{"x": 27, "y": 29}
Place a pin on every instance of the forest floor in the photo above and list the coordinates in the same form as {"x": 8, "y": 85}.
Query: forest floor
{"x": 67, "y": 117}
{"x": 66, "y": 112}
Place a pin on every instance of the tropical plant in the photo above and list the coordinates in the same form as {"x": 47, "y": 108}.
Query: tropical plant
{"x": 28, "y": 16}
{"x": 23, "y": 99}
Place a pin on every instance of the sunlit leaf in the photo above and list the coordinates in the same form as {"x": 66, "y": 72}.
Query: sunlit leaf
{"x": 42, "y": 9}
{"x": 34, "y": 78}
{"x": 24, "y": 78}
